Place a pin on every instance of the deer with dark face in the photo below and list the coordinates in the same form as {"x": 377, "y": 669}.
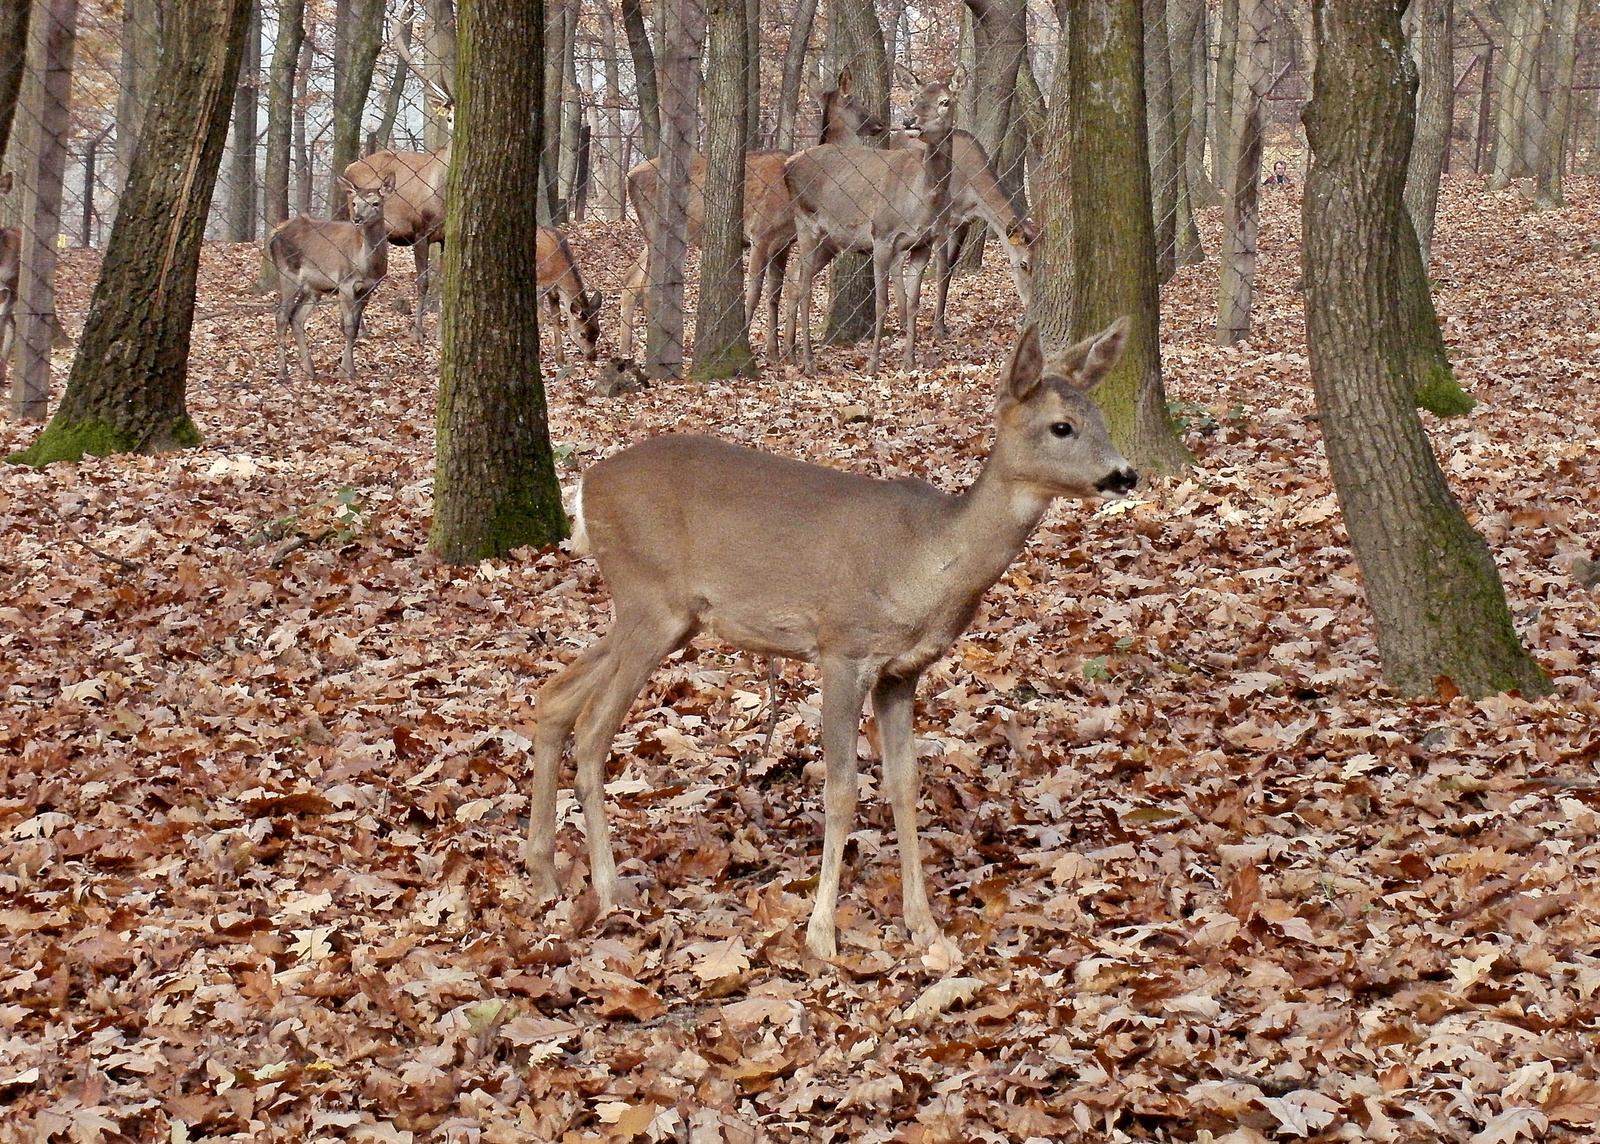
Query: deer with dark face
{"x": 315, "y": 257}
{"x": 976, "y": 196}
{"x": 872, "y": 580}
{"x": 768, "y": 212}
{"x": 561, "y": 287}
{"x": 10, "y": 273}
{"x": 895, "y": 204}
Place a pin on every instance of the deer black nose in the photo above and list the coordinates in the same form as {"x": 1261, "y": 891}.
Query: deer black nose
{"x": 1119, "y": 481}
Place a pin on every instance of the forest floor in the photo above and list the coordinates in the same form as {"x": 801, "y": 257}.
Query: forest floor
{"x": 262, "y": 760}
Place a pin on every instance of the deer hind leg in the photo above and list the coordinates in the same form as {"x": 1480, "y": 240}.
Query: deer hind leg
{"x": 882, "y": 260}
{"x": 351, "y": 305}
{"x": 640, "y": 643}
{"x": 776, "y": 273}
{"x": 844, "y": 688}
{"x": 419, "y": 251}
{"x": 943, "y": 270}
{"x": 633, "y": 293}
{"x": 913, "y": 268}
{"x": 892, "y": 704}
{"x": 553, "y": 304}
{"x": 300, "y": 310}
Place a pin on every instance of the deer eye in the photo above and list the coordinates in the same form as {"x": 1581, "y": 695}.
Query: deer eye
{"x": 1062, "y": 429}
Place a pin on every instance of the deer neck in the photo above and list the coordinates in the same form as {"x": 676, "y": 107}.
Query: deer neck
{"x": 992, "y": 521}
{"x": 938, "y": 170}
{"x": 374, "y": 235}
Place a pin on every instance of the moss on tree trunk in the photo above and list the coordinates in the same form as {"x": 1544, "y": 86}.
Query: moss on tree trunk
{"x": 1436, "y": 596}
{"x": 495, "y": 486}
{"x": 127, "y": 389}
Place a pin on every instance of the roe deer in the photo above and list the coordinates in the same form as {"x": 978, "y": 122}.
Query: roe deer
{"x": 561, "y": 286}
{"x": 314, "y": 257}
{"x": 768, "y": 212}
{"x": 873, "y": 580}
{"x": 895, "y": 204}
{"x": 975, "y": 193}
{"x": 10, "y": 274}
{"x": 414, "y": 211}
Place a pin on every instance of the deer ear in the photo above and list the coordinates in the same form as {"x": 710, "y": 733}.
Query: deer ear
{"x": 845, "y": 81}
{"x": 906, "y": 76}
{"x": 1100, "y": 353}
{"x": 958, "y": 81}
{"x": 1026, "y": 365}
{"x": 596, "y": 299}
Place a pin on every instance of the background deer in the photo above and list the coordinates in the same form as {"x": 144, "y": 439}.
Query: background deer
{"x": 976, "y": 194}
{"x": 314, "y": 257}
{"x": 561, "y": 287}
{"x": 10, "y": 273}
{"x": 893, "y": 203}
{"x": 768, "y": 212}
{"x": 873, "y": 580}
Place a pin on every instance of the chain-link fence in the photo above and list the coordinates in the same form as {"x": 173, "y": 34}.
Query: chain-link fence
{"x": 1510, "y": 93}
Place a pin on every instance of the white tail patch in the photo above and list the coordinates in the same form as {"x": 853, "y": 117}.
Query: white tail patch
{"x": 578, "y": 543}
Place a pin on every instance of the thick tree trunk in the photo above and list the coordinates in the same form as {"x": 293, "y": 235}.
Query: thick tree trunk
{"x": 1051, "y": 307}
{"x": 495, "y": 483}
{"x": 1436, "y": 597}
{"x": 855, "y": 43}
{"x": 355, "y": 58}
{"x": 1552, "y": 133}
{"x": 644, "y": 73}
{"x": 1518, "y": 89}
{"x": 1223, "y": 85}
{"x": 794, "y": 69}
{"x": 683, "y": 25}
{"x": 242, "y": 213}
{"x": 141, "y": 55}
{"x": 42, "y": 147}
{"x": 1432, "y": 25}
{"x": 721, "y": 331}
{"x": 1242, "y": 221}
{"x": 1112, "y": 251}
{"x": 13, "y": 57}
{"x": 126, "y": 391}
{"x": 1160, "y": 114}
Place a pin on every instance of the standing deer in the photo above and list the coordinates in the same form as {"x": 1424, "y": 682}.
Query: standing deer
{"x": 10, "y": 274}
{"x": 872, "y": 580}
{"x": 561, "y": 286}
{"x": 975, "y": 193}
{"x": 768, "y": 212}
{"x": 314, "y": 257}
{"x": 895, "y": 204}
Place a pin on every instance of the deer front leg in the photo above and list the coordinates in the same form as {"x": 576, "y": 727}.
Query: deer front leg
{"x": 554, "y": 306}
{"x": 844, "y": 689}
{"x": 351, "y": 304}
{"x": 892, "y": 701}
{"x": 633, "y": 292}
{"x": 882, "y": 257}
{"x": 943, "y": 270}
{"x": 915, "y": 265}
{"x": 303, "y": 303}
{"x": 419, "y": 251}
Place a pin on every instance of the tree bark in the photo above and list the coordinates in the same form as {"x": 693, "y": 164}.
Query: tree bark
{"x": 13, "y": 57}
{"x": 141, "y": 55}
{"x": 1112, "y": 240}
{"x": 126, "y": 391}
{"x": 1436, "y": 597}
{"x": 495, "y": 485}
{"x": 242, "y": 220}
{"x": 1185, "y": 20}
{"x": 855, "y": 43}
{"x": 682, "y": 27}
{"x": 794, "y": 69}
{"x": 1222, "y": 88}
{"x": 644, "y": 73}
{"x": 1432, "y": 35}
{"x": 557, "y": 41}
{"x": 46, "y": 102}
{"x": 721, "y": 328}
{"x": 1518, "y": 88}
{"x": 1000, "y": 37}
{"x": 571, "y": 109}
{"x": 1242, "y": 222}
{"x": 381, "y": 138}
{"x": 355, "y": 59}
{"x": 1160, "y": 113}
{"x": 612, "y": 174}
{"x": 1552, "y": 133}
{"x": 439, "y": 62}
{"x": 753, "y": 135}
{"x": 1051, "y": 307}
{"x": 302, "y": 97}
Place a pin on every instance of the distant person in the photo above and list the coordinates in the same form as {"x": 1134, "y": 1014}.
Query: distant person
{"x": 1280, "y": 176}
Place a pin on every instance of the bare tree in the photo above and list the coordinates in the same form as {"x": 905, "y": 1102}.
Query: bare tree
{"x": 1160, "y": 113}
{"x": 141, "y": 53}
{"x": 1242, "y": 221}
{"x": 1440, "y": 609}
{"x": 357, "y": 37}
{"x": 1514, "y": 154}
{"x": 1431, "y": 28}
{"x": 855, "y": 45}
{"x": 644, "y": 75}
{"x": 1554, "y": 124}
{"x": 242, "y": 216}
{"x": 1223, "y": 85}
{"x": 794, "y": 66}
{"x": 127, "y": 388}
{"x": 683, "y": 27}
{"x": 495, "y": 485}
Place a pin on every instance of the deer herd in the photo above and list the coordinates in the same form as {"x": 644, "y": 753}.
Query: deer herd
{"x": 905, "y": 204}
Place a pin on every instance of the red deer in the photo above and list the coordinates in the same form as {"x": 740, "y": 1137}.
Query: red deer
{"x": 314, "y": 257}
{"x": 10, "y": 273}
{"x": 768, "y": 212}
{"x": 561, "y": 286}
{"x": 895, "y": 204}
{"x": 872, "y": 580}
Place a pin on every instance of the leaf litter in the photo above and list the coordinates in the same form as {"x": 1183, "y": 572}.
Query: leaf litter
{"x": 263, "y": 763}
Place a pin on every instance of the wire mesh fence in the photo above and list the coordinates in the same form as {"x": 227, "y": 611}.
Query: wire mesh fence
{"x": 1509, "y": 93}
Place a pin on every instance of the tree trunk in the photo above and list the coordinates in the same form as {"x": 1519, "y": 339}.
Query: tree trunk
{"x": 1000, "y": 36}
{"x": 754, "y": 136}
{"x": 126, "y": 391}
{"x": 611, "y": 174}
{"x": 302, "y": 98}
{"x": 551, "y": 207}
{"x": 1160, "y": 113}
{"x": 1432, "y": 35}
{"x": 1223, "y": 85}
{"x": 1436, "y": 598}
{"x": 42, "y": 146}
{"x": 1242, "y": 222}
{"x": 855, "y": 42}
{"x": 794, "y": 69}
{"x": 721, "y": 330}
{"x": 644, "y": 72}
{"x": 1518, "y": 88}
{"x": 682, "y": 27}
{"x": 280, "y": 126}
{"x": 242, "y": 221}
{"x": 1552, "y": 136}
{"x": 381, "y": 138}
{"x": 13, "y": 57}
{"x": 141, "y": 55}
{"x": 1051, "y": 307}
{"x": 439, "y": 62}
{"x": 355, "y": 58}
{"x": 1185, "y": 19}
{"x": 495, "y": 486}
{"x": 1112, "y": 254}
{"x": 571, "y": 118}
